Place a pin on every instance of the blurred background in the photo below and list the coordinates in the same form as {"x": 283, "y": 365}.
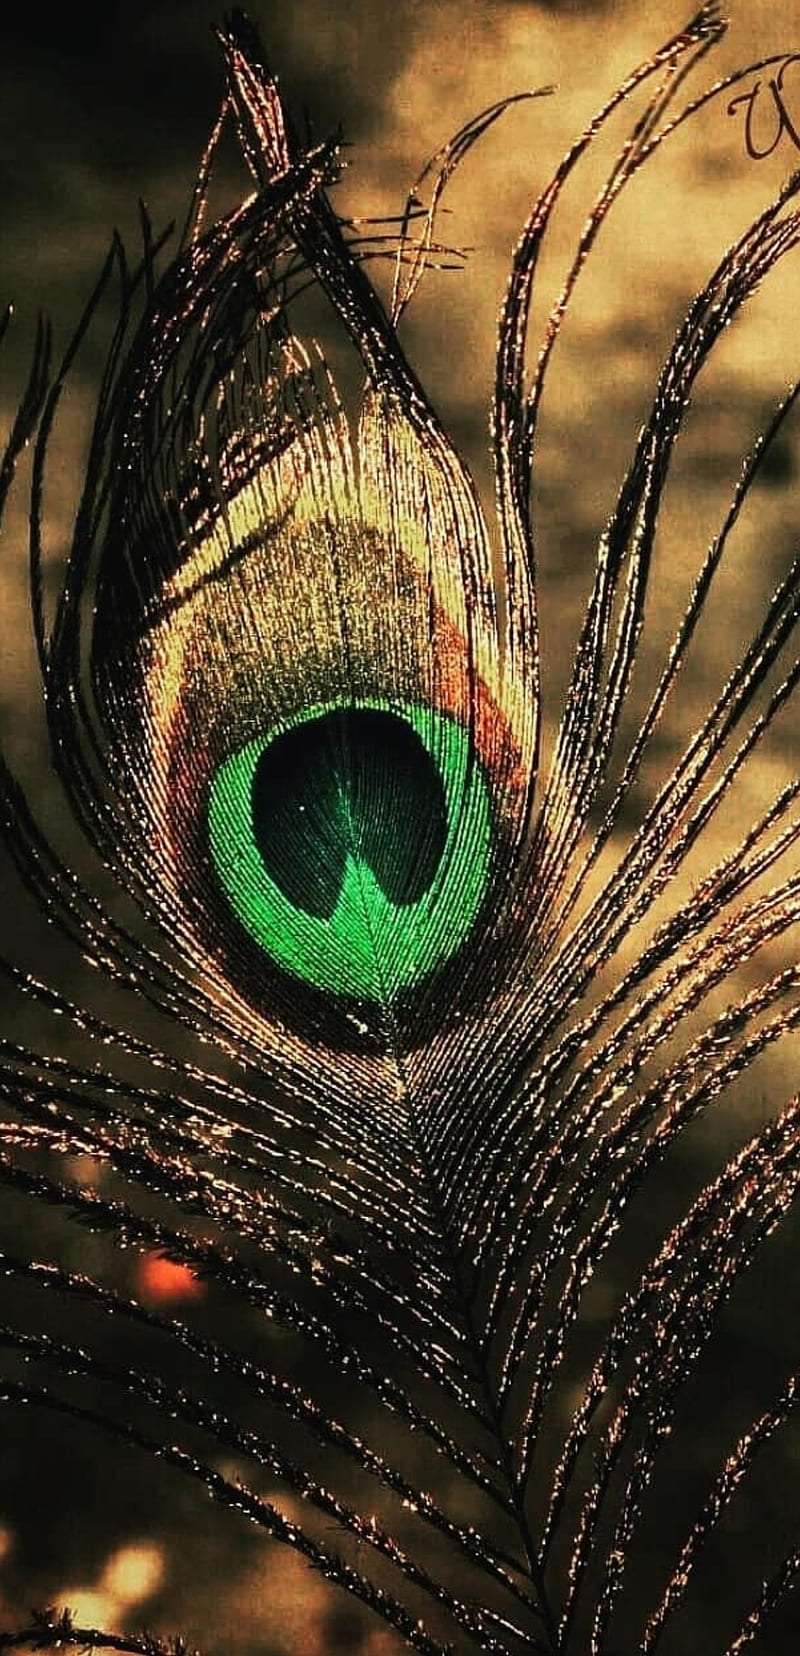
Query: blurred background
{"x": 113, "y": 101}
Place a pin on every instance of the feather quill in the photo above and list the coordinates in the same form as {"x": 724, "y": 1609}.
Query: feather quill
{"x": 296, "y": 714}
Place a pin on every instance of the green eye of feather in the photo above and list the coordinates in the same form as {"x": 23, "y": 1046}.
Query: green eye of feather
{"x": 354, "y": 845}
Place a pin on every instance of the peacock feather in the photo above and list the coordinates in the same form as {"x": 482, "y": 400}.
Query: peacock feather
{"x": 405, "y": 1009}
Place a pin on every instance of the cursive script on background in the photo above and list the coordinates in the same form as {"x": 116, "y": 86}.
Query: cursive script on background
{"x": 767, "y": 117}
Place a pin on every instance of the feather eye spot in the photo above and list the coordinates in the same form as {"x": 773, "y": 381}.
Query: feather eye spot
{"x": 338, "y": 787}
{"x": 354, "y": 845}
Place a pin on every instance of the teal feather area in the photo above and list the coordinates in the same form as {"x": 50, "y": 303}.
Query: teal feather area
{"x": 303, "y": 834}
{"x": 431, "y": 1037}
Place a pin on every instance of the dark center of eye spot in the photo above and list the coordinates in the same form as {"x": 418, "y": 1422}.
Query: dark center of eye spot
{"x": 355, "y": 782}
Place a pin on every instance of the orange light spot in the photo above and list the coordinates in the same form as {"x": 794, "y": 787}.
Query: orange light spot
{"x": 158, "y": 1280}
